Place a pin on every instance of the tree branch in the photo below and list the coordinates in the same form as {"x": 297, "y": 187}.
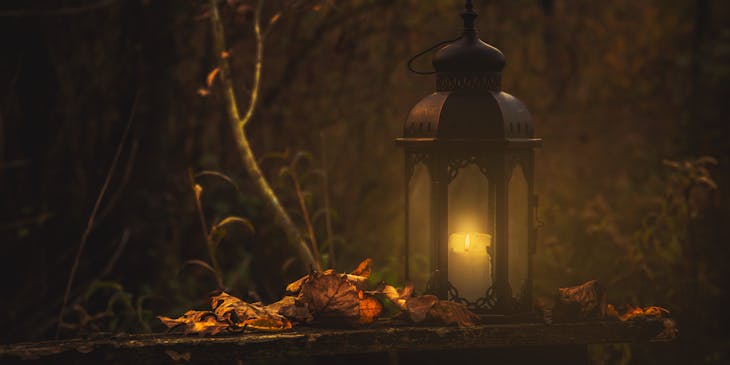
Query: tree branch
{"x": 238, "y": 125}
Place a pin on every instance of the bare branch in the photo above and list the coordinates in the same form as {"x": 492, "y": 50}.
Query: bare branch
{"x": 238, "y": 124}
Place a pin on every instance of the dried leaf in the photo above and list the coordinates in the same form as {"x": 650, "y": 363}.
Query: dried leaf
{"x": 370, "y": 309}
{"x": 330, "y": 295}
{"x": 582, "y": 302}
{"x": 203, "y": 91}
{"x": 364, "y": 268}
{"x": 447, "y": 312}
{"x": 418, "y": 307}
{"x": 398, "y": 298}
{"x": 239, "y": 314}
{"x": 296, "y": 286}
{"x": 198, "y": 191}
{"x": 176, "y": 356}
{"x": 633, "y": 313}
{"x": 211, "y": 76}
{"x": 292, "y": 308}
{"x": 199, "y": 322}
{"x": 274, "y": 18}
{"x": 225, "y": 55}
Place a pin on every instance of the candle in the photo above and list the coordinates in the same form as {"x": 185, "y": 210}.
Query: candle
{"x": 469, "y": 264}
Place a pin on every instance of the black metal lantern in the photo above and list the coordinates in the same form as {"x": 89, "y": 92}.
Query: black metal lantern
{"x": 469, "y": 181}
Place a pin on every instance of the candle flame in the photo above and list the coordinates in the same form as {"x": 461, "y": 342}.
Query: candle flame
{"x": 467, "y": 242}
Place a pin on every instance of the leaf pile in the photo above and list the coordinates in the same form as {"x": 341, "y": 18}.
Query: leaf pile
{"x": 588, "y": 302}
{"x": 323, "y": 297}
{"x": 228, "y": 314}
{"x": 430, "y": 308}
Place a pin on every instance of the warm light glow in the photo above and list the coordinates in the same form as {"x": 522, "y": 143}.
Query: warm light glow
{"x": 470, "y": 263}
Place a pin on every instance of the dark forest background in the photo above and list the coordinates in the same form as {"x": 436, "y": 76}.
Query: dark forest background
{"x": 628, "y": 96}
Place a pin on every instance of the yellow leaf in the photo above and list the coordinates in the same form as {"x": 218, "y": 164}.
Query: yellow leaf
{"x": 198, "y": 191}
{"x": 211, "y": 76}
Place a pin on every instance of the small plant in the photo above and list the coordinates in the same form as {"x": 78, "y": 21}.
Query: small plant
{"x": 217, "y": 231}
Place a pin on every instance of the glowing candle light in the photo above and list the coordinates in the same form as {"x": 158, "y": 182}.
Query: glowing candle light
{"x": 469, "y": 264}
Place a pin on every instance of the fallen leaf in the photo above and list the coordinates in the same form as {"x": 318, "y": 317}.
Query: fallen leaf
{"x": 582, "y": 302}
{"x": 199, "y": 322}
{"x": 296, "y": 286}
{"x": 203, "y": 91}
{"x": 292, "y": 308}
{"x": 370, "y": 309}
{"x": 364, "y": 268}
{"x": 399, "y": 298}
{"x": 274, "y": 18}
{"x": 330, "y": 295}
{"x": 448, "y": 312}
{"x": 225, "y": 55}
{"x": 176, "y": 356}
{"x": 418, "y": 307}
{"x": 211, "y": 76}
{"x": 239, "y": 314}
{"x": 633, "y": 313}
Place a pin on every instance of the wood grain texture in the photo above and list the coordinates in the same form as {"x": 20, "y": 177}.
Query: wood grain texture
{"x": 309, "y": 341}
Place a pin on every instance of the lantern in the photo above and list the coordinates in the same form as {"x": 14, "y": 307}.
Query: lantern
{"x": 469, "y": 181}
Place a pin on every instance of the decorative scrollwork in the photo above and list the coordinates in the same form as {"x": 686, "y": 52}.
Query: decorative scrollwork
{"x": 488, "y": 301}
{"x": 448, "y": 81}
{"x": 457, "y": 164}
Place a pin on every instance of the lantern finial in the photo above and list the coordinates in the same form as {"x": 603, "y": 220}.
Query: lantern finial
{"x": 469, "y": 15}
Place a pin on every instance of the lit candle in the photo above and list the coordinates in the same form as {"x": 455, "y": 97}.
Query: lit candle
{"x": 469, "y": 264}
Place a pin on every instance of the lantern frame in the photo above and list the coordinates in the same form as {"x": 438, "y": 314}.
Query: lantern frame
{"x": 469, "y": 120}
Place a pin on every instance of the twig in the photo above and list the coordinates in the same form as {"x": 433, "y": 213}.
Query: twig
{"x": 238, "y": 124}
{"x": 305, "y": 215}
{"x": 327, "y": 214}
{"x": 92, "y": 216}
{"x": 117, "y": 253}
{"x": 114, "y": 197}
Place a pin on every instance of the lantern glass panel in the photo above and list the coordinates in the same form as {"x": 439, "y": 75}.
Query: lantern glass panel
{"x": 419, "y": 227}
{"x": 470, "y": 236}
{"x": 518, "y": 225}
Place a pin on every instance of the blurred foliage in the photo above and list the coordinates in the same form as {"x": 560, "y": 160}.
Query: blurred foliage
{"x": 616, "y": 88}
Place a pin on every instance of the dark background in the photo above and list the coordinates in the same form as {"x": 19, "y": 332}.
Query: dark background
{"x": 615, "y": 87}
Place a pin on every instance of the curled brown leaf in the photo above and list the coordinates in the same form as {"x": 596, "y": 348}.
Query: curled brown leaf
{"x": 330, "y": 295}
{"x": 239, "y": 314}
{"x": 198, "y": 322}
{"x": 292, "y": 308}
{"x": 419, "y": 307}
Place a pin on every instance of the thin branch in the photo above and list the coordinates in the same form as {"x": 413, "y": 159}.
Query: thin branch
{"x": 238, "y": 124}
{"x": 92, "y": 216}
{"x": 305, "y": 215}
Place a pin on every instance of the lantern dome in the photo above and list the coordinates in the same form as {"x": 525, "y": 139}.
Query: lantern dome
{"x": 468, "y": 103}
{"x": 468, "y": 54}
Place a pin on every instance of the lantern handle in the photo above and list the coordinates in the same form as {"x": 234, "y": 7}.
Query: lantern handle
{"x": 427, "y": 50}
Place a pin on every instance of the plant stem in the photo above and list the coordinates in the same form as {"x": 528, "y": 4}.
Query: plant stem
{"x": 206, "y": 234}
{"x": 238, "y": 124}
{"x": 92, "y": 216}
{"x": 307, "y": 220}
{"x": 327, "y": 214}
